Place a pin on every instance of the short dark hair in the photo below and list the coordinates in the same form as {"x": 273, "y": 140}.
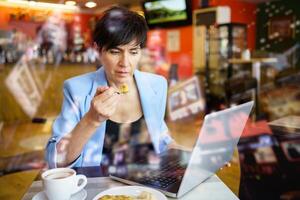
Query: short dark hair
{"x": 120, "y": 26}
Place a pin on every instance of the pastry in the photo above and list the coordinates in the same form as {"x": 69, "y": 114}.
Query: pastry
{"x": 116, "y": 197}
{"x": 142, "y": 196}
{"x": 123, "y": 89}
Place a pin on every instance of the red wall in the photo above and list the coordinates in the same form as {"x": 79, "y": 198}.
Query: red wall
{"x": 184, "y": 56}
{"x": 241, "y": 12}
{"x": 28, "y": 27}
{"x": 84, "y": 21}
{"x": 157, "y": 41}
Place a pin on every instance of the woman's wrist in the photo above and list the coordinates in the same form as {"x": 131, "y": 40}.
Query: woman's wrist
{"x": 90, "y": 120}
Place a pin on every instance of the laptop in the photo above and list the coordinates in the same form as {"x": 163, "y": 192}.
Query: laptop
{"x": 175, "y": 172}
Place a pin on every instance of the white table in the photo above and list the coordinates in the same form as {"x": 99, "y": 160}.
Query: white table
{"x": 213, "y": 188}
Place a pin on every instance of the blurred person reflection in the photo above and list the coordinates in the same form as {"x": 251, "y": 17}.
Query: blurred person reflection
{"x": 93, "y": 99}
{"x": 2, "y": 57}
{"x": 53, "y": 39}
{"x": 91, "y": 55}
{"x": 17, "y": 46}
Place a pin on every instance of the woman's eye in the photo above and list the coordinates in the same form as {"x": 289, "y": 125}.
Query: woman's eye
{"x": 134, "y": 52}
{"x": 114, "y": 52}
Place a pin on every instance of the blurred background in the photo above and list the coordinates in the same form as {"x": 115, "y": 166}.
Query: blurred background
{"x": 214, "y": 53}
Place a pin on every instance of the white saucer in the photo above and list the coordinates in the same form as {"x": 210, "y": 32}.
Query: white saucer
{"x": 81, "y": 195}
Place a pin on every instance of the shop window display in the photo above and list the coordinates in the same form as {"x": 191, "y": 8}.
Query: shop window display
{"x": 269, "y": 160}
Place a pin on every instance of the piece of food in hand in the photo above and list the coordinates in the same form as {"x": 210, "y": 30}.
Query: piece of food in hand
{"x": 141, "y": 196}
{"x": 124, "y": 89}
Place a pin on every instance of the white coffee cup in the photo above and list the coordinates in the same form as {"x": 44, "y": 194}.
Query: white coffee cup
{"x": 61, "y": 183}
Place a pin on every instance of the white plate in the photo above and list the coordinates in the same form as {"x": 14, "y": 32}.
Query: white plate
{"x": 131, "y": 191}
{"x": 77, "y": 196}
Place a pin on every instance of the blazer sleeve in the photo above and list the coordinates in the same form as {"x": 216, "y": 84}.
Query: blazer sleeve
{"x": 64, "y": 124}
{"x": 165, "y": 138}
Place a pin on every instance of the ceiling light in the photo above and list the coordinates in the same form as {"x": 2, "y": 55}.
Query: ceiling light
{"x": 32, "y": 3}
{"x": 70, "y": 3}
{"x": 90, "y": 4}
{"x": 38, "y": 5}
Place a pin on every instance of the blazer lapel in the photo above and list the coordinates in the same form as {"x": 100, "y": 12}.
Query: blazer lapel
{"x": 148, "y": 99}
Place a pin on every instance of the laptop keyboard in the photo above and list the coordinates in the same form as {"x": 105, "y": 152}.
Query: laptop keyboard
{"x": 168, "y": 174}
{"x": 163, "y": 182}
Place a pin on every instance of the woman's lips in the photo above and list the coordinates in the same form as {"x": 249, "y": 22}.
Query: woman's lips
{"x": 121, "y": 73}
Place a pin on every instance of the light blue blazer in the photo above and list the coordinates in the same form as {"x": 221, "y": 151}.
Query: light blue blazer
{"x": 78, "y": 93}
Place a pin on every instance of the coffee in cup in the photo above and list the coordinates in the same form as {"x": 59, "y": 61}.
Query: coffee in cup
{"x": 61, "y": 183}
{"x": 59, "y": 175}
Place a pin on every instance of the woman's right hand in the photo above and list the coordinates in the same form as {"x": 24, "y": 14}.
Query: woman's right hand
{"x": 103, "y": 105}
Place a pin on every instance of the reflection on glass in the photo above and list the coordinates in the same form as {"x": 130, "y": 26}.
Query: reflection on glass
{"x": 174, "y": 171}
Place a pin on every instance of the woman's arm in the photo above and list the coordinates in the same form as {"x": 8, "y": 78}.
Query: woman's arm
{"x": 70, "y": 146}
{"x": 102, "y": 107}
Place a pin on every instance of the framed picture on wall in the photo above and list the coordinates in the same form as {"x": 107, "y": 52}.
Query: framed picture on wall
{"x": 185, "y": 99}
{"x": 281, "y": 27}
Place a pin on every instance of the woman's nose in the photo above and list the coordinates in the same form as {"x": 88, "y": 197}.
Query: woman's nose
{"x": 124, "y": 60}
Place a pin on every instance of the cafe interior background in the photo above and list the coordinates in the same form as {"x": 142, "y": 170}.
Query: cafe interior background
{"x": 219, "y": 53}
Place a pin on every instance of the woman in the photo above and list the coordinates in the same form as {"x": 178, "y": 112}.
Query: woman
{"x": 93, "y": 99}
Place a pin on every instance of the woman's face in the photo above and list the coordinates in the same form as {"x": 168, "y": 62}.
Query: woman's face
{"x": 120, "y": 62}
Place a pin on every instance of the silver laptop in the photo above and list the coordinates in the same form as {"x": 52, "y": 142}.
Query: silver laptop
{"x": 175, "y": 172}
